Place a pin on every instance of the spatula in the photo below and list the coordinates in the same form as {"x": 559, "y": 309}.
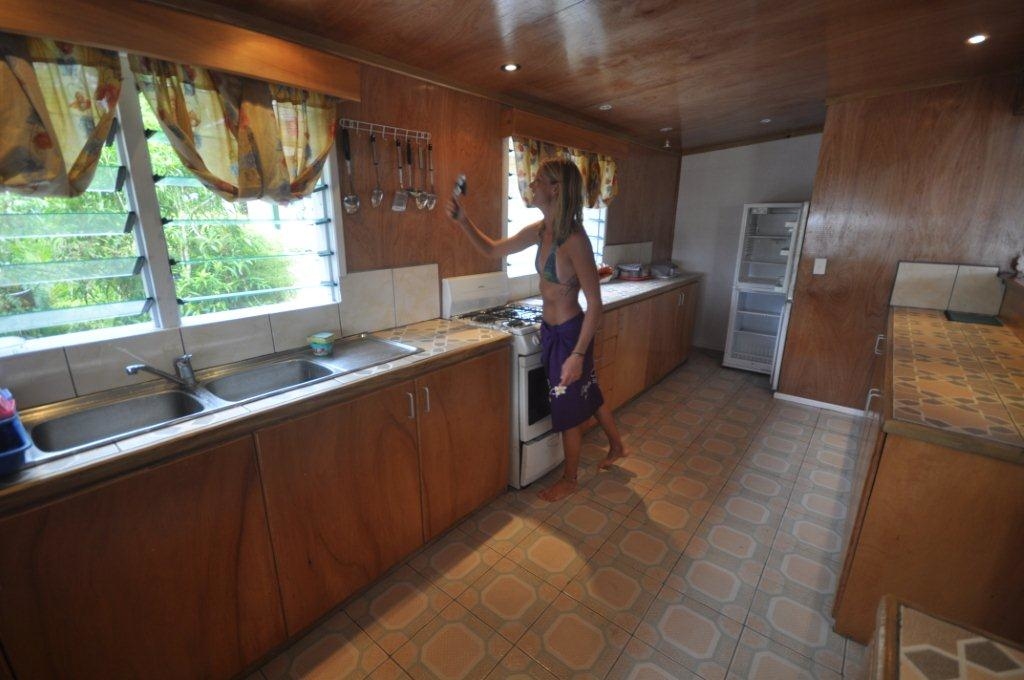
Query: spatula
{"x": 401, "y": 197}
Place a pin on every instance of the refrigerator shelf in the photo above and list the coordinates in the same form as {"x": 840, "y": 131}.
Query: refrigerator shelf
{"x": 752, "y": 312}
{"x": 770, "y": 242}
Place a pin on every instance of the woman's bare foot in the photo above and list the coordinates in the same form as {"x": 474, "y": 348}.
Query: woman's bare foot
{"x": 614, "y": 453}
{"x": 559, "y": 490}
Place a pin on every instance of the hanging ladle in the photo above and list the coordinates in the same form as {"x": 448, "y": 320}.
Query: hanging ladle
{"x": 432, "y": 196}
{"x": 377, "y": 196}
{"x": 351, "y": 200}
{"x": 422, "y": 197}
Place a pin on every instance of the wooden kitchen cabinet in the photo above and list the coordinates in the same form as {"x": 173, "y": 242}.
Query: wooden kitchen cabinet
{"x": 605, "y": 352}
{"x": 935, "y": 525}
{"x": 464, "y": 437}
{"x": 633, "y": 342}
{"x": 672, "y": 315}
{"x": 164, "y": 573}
{"x": 343, "y": 498}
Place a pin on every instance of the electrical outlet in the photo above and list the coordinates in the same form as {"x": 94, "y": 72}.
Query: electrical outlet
{"x": 819, "y": 266}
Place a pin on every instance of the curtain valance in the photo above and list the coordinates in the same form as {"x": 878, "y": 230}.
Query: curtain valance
{"x": 243, "y": 138}
{"x": 57, "y": 103}
{"x": 598, "y": 171}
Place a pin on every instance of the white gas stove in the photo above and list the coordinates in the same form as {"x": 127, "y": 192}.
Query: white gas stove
{"x": 482, "y": 300}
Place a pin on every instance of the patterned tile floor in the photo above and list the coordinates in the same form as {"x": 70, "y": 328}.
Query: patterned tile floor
{"x": 712, "y": 552}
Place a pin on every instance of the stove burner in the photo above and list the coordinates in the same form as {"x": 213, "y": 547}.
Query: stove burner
{"x": 508, "y": 317}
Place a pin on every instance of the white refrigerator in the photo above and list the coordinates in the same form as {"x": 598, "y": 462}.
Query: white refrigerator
{"x": 771, "y": 237}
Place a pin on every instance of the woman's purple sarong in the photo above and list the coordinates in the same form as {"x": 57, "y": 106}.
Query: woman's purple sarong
{"x": 577, "y": 401}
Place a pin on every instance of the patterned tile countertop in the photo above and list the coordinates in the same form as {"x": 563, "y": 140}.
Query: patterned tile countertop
{"x": 434, "y": 337}
{"x": 616, "y": 293}
{"x": 958, "y": 378}
{"x": 934, "y": 649}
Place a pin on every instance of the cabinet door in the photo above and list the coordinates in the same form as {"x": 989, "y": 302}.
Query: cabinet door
{"x": 166, "y": 573}
{"x": 464, "y": 437}
{"x": 633, "y": 344}
{"x": 606, "y": 349}
{"x": 662, "y": 351}
{"x": 686, "y": 314}
{"x": 343, "y": 498}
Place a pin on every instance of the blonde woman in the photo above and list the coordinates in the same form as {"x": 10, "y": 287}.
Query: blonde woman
{"x": 565, "y": 262}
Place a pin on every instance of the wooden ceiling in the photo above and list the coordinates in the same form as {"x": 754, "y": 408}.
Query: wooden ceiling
{"x": 709, "y": 69}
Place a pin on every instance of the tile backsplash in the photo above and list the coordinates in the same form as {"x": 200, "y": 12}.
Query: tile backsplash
{"x": 213, "y": 344}
{"x": 625, "y": 253}
{"x": 371, "y": 301}
{"x": 417, "y": 294}
{"x": 977, "y": 289}
{"x": 961, "y": 288}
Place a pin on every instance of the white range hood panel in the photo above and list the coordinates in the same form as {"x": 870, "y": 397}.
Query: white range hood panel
{"x": 463, "y": 294}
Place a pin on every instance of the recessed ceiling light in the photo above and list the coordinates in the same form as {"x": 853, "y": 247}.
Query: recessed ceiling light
{"x": 508, "y": 68}
{"x": 977, "y": 39}
{"x": 605, "y": 107}
{"x": 765, "y": 121}
{"x": 666, "y": 129}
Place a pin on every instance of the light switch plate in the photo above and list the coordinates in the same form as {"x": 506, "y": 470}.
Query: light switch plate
{"x": 819, "y": 266}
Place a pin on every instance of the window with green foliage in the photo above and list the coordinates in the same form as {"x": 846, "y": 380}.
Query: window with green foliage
{"x": 70, "y": 265}
{"x": 229, "y": 256}
{"x": 519, "y": 215}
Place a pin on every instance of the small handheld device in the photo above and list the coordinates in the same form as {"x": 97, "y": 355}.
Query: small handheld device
{"x": 460, "y": 187}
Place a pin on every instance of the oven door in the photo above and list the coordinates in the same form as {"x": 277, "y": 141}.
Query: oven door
{"x": 533, "y": 401}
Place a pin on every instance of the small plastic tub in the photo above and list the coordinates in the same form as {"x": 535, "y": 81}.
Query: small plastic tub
{"x": 14, "y": 442}
{"x": 322, "y": 344}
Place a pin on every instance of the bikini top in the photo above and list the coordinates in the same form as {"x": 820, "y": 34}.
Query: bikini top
{"x": 550, "y": 269}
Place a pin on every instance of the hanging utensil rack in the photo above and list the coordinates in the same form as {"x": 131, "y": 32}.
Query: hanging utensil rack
{"x": 385, "y": 131}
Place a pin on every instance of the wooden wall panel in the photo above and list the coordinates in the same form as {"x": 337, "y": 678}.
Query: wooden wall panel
{"x": 645, "y": 209}
{"x": 466, "y": 138}
{"x": 931, "y": 175}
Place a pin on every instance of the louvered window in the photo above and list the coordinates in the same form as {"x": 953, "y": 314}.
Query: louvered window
{"x": 72, "y": 264}
{"x": 518, "y": 216}
{"x": 94, "y": 262}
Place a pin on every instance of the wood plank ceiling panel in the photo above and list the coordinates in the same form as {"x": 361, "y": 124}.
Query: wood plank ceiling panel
{"x": 710, "y": 69}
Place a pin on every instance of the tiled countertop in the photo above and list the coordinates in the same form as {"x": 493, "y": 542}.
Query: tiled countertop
{"x": 962, "y": 381}
{"x": 437, "y": 338}
{"x": 616, "y": 293}
{"x": 931, "y": 648}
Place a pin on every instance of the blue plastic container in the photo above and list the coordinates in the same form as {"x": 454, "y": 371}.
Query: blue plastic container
{"x": 14, "y": 442}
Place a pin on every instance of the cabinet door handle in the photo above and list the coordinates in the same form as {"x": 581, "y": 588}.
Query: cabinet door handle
{"x": 878, "y": 345}
{"x": 682, "y": 299}
{"x": 412, "y": 405}
{"x": 873, "y": 393}
{"x": 426, "y": 400}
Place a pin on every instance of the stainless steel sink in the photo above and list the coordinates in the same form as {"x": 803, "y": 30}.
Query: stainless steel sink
{"x": 355, "y": 354}
{"x": 64, "y": 428}
{"x": 266, "y": 380}
{"x": 115, "y": 420}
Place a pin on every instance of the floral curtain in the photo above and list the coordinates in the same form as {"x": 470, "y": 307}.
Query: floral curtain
{"x": 243, "y": 138}
{"x": 57, "y": 103}
{"x": 598, "y": 171}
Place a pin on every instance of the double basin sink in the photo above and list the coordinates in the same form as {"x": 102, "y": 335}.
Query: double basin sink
{"x": 64, "y": 428}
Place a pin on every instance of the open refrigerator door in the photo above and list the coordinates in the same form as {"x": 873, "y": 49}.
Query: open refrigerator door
{"x": 770, "y": 242}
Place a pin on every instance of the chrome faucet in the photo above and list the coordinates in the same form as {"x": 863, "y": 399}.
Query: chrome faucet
{"x": 186, "y": 376}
